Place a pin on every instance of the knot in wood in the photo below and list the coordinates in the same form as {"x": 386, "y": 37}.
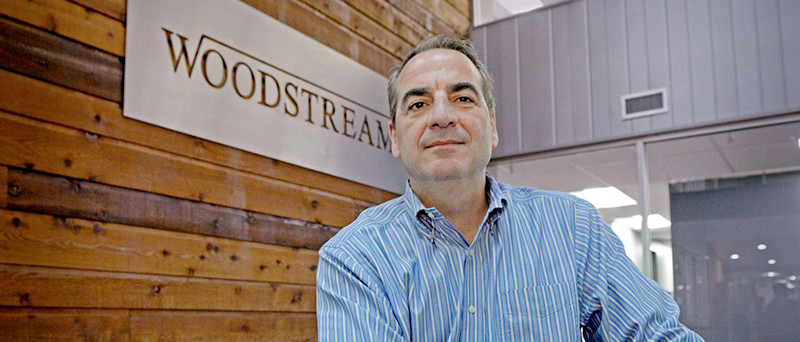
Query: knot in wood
{"x": 297, "y": 297}
{"x": 14, "y": 189}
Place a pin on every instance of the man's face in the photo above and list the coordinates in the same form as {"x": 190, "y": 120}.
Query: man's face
{"x": 443, "y": 129}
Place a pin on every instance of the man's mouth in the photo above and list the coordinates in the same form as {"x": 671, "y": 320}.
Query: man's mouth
{"x": 443, "y": 143}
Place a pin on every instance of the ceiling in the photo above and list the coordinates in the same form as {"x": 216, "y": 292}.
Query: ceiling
{"x": 722, "y": 155}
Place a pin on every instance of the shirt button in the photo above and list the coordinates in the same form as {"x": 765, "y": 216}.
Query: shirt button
{"x": 431, "y": 215}
{"x": 471, "y": 252}
{"x": 472, "y": 309}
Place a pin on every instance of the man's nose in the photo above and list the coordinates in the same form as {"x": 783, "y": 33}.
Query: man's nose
{"x": 442, "y": 114}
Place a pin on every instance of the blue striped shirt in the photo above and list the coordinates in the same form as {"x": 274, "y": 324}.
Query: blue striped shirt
{"x": 543, "y": 267}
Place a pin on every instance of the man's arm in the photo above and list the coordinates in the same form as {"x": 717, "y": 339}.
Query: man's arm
{"x": 618, "y": 303}
{"x": 351, "y": 305}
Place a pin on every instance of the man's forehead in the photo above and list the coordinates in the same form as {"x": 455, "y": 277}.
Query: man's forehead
{"x": 437, "y": 65}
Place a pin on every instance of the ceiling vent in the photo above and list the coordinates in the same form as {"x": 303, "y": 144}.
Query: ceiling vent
{"x": 646, "y": 103}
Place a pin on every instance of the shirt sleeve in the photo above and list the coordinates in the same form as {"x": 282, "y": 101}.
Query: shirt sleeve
{"x": 351, "y": 304}
{"x": 617, "y": 301}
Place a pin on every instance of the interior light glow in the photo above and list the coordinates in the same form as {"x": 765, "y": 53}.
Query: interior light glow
{"x": 771, "y": 274}
{"x": 761, "y": 247}
{"x": 734, "y": 256}
{"x": 771, "y": 261}
{"x": 654, "y": 221}
{"x": 608, "y": 197}
{"x": 793, "y": 278}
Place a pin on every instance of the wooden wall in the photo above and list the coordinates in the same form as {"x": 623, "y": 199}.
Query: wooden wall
{"x": 116, "y": 230}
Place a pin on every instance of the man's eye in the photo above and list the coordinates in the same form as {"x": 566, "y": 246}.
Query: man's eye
{"x": 416, "y": 105}
{"x": 464, "y": 99}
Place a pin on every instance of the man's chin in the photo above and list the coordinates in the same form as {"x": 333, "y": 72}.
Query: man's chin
{"x": 447, "y": 173}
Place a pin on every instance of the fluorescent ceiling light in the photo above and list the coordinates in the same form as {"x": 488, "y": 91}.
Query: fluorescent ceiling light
{"x": 761, "y": 247}
{"x": 734, "y": 256}
{"x": 654, "y": 221}
{"x": 609, "y": 197}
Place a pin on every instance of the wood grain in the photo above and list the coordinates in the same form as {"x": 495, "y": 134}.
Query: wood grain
{"x": 69, "y": 20}
{"x": 463, "y": 7}
{"x": 355, "y": 21}
{"x": 113, "y": 8}
{"x": 51, "y": 287}
{"x": 316, "y": 26}
{"x": 64, "y": 325}
{"x": 43, "y": 101}
{"x": 158, "y": 326}
{"x": 421, "y": 15}
{"x": 448, "y": 13}
{"x": 36, "y": 53}
{"x": 61, "y": 196}
{"x": 41, "y": 146}
{"x": 43, "y": 240}
{"x": 4, "y": 188}
{"x": 392, "y": 19}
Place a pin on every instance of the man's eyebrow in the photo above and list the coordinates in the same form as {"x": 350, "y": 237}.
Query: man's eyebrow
{"x": 421, "y": 91}
{"x": 463, "y": 85}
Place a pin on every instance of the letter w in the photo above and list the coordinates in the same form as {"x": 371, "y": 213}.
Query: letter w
{"x": 182, "y": 55}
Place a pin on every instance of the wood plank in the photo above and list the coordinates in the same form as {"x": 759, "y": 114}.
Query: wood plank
{"x": 314, "y": 25}
{"x": 50, "y": 287}
{"x": 113, "y": 8}
{"x": 45, "y": 56}
{"x": 69, "y": 20}
{"x": 61, "y": 196}
{"x": 391, "y": 18}
{"x": 44, "y": 240}
{"x": 4, "y": 188}
{"x": 355, "y": 21}
{"x": 428, "y": 20}
{"x": 448, "y": 13}
{"x": 463, "y": 7}
{"x": 158, "y": 326}
{"x": 51, "y": 103}
{"x": 64, "y": 325}
{"x": 55, "y": 149}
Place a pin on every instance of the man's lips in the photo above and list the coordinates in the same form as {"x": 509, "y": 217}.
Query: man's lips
{"x": 443, "y": 143}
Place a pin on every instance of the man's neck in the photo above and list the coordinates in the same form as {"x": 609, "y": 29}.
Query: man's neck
{"x": 463, "y": 202}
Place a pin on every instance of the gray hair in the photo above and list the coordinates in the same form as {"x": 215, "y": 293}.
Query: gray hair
{"x": 443, "y": 42}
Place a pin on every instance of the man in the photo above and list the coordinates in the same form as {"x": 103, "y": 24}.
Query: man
{"x": 460, "y": 257}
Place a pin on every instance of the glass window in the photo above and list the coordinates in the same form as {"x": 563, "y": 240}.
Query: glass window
{"x": 734, "y": 203}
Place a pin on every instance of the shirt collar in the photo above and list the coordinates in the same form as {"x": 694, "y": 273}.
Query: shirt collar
{"x": 498, "y": 199}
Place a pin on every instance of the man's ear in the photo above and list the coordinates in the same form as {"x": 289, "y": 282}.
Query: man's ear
{"x": 495, "y": 137}
{"x": 393, "y": 136}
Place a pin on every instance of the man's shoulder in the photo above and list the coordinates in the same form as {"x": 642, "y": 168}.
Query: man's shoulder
{"x": 372, "y": 222}
{"x": 533, "y": 196}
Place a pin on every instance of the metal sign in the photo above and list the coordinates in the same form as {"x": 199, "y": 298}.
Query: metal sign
{"x": 225, "y": 72}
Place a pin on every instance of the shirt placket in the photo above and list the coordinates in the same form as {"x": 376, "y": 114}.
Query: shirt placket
{"x": 474, "y": 309}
